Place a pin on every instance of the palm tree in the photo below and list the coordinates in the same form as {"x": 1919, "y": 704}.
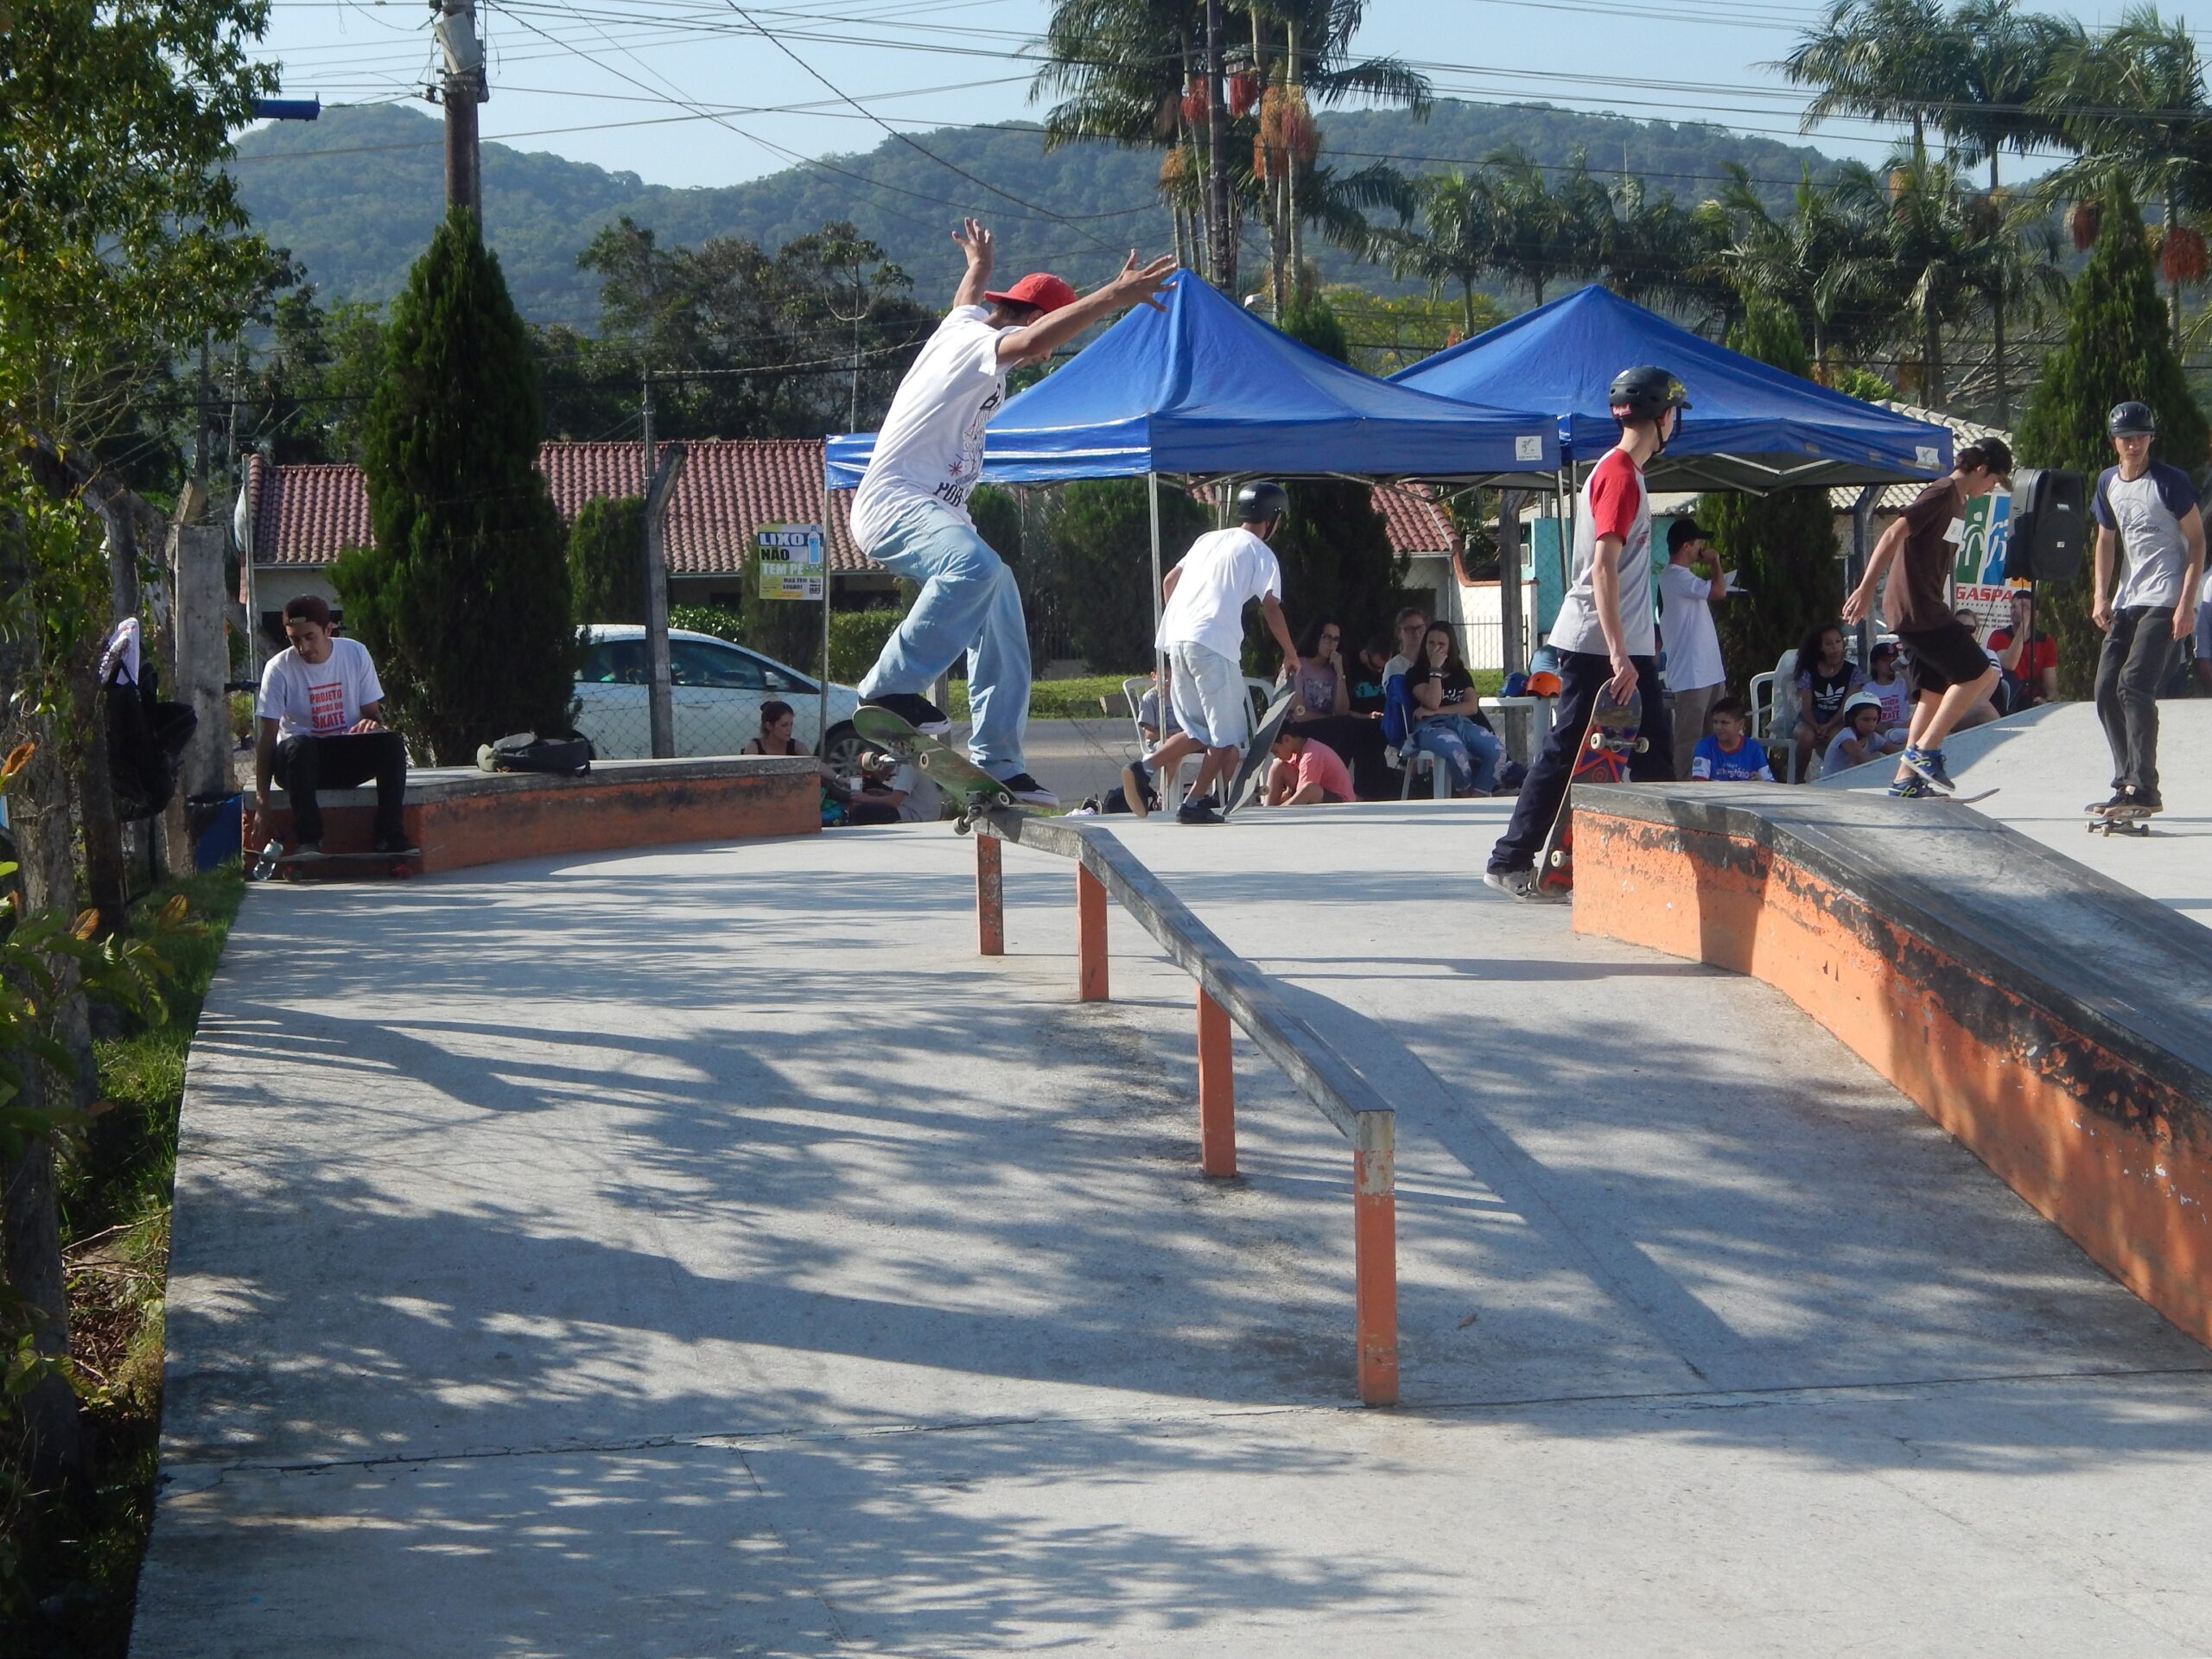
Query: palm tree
{"x": 1938, "y": 249}
{"x": 1825, "y": 262}
{"x": 1883, "y": 59}
{"x": 1536, "y": 236}
{"x": 1456, "y": 241}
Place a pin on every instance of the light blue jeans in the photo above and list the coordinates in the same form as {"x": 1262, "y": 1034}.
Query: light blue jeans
{"x": 968, "y": 603}
{"x": 1469, "y": 752}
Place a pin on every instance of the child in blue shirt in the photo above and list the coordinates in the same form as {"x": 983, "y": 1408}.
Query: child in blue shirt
{"x": 1724, "y": 755}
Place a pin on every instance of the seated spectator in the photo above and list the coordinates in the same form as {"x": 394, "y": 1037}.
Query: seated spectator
{"x": 777, "y": 720}
{"x": 893, "y": 792}
{"x": 1889, "y": 688}
{"x": 1370, "y": 672}
{"x": 1148, "y": 711}
{"x": 1987, "y": 711}
{"x": 1826, "y": 678}
{"x": 1413, "y": 624}
{"x": 2029, "y": 662}
{"x": 1861, "y": 739}
{"x": 1448, "y": 721}
{"x": 320, "y": 715}
{"x": 1305, "y": 773}
{"x": 1323, "y": 686}
{"x": 1723, "y": 754}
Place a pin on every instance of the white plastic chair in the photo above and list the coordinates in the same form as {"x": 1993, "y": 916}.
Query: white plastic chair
{"x": 1774, "y": 714}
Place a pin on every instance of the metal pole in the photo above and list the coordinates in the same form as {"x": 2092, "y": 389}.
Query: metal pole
{"x": 1862, "y": 524}
{"x": 822, "y": 698}
{"x": 1513, "y": 652}
{"x": 659, "y": 702}
{"x": 1159, "y": 657}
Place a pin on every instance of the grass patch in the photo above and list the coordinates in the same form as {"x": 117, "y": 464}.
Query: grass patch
{"x": 116, "y": 1189}
{"x": 1076, "y": 699}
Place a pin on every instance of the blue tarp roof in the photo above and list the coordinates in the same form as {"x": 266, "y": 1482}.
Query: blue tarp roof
{"x": 1750, "y": 426}
{"x": 1206, "y": 386}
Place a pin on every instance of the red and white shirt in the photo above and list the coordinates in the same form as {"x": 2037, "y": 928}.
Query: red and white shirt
{"x": 1614, "y": 503}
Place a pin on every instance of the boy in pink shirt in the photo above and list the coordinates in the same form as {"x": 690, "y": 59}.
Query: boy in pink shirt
{"x": 1305, "y": 773}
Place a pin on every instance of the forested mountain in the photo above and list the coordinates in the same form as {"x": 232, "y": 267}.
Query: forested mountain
{"x": 356, "y": 195}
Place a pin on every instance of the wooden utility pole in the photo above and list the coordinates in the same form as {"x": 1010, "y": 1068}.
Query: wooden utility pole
{"x": 463, "y": 88}
{"x": 1224, "y": 256}
{"x": 659, "y": 699}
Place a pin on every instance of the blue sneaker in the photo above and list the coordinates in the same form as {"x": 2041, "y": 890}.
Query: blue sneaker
{"x": 1928, "y": 763}
{"x": 1912, "y": 787}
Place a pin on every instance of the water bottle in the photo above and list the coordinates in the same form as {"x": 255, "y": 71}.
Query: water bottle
{"x": 266, "y": 866}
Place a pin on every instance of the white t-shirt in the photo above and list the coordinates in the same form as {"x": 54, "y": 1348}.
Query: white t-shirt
{"x": 925, "y": 802}
{"x": 318, "y": 699}
{"x": 930, "y": 448}
{"x": 1224, "y": 570}
{"x": 1896, "y": 699}
{"x": 1693, "y": 643}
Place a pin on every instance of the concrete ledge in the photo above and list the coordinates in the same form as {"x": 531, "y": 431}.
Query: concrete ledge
{"x": 2058, "y": 1024}
{"x": 461, "y": 816}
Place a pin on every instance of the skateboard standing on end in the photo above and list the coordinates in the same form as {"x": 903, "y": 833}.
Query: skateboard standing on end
{"x": 976, "y": 789}
{"x": 1601, "y": 758}
{"x": 1244, "y": 788}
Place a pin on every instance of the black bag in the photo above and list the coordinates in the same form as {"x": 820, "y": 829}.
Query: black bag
{"x": 146, "y": 739}
{"x": 568, "y": 757}
{"x": 2050, "y": 523}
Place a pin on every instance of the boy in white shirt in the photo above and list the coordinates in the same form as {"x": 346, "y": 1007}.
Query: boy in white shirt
{"x": 910, "y": 513}
{"x": 1202, "y": 631}
{"x": 320, "y": 726}
{"x": 1688, "y": 588}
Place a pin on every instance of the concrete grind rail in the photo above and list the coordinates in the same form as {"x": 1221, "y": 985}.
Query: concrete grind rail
{"x": 706, "y": 1251}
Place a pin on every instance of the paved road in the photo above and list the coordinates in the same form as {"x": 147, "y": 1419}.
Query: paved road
{"x": 702, "y": 1251}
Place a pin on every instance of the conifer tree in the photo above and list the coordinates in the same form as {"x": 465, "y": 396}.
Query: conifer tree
{"x": 1781, "y": 546}
{"x": 2117, "y": 348}
{"x": 606, "y": 560}
{"x": 464, "y": 599}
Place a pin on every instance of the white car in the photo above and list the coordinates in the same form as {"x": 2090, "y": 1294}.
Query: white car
{"x": 716, "y": 689}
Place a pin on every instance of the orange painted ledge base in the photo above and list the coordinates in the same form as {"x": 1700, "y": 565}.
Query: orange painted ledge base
{"x": 462, "y": 817}
{"x": 2104, "y": 1133}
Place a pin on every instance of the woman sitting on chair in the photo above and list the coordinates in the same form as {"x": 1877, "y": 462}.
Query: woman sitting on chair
{"x": 1324, "y": 687}
{"x": 1448, "y": 720}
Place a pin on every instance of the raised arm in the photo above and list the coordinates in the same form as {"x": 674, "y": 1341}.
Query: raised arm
{"x": 975, "y": 242}
{"x": 1135, "y": 284}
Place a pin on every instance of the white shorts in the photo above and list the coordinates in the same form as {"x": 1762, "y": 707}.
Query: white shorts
{"x": 1208, "y": 694}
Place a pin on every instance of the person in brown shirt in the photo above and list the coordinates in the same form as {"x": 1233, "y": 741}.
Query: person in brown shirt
{"x": 1948, "y": 671}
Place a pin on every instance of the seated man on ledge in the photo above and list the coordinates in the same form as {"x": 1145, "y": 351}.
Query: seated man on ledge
{"x": 320, "y": 727}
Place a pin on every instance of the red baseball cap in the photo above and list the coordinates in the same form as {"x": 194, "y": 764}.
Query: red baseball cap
{"x": 1041, "y": 289}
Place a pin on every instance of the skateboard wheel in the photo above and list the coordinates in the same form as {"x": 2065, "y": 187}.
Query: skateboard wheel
{"x": 1597, "y": 741}
{"x": 1559, "y": 860}
{"x": 1642, "y": 744}
{"x": 961, "y": 826}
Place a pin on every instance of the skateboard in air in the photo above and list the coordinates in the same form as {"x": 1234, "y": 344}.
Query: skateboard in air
{"x": 1601, "y": 757}
{"x": 2119, "y": 820}
{"x": 275, "y": 864}
{"x": 1252, "y": 771}
{"x": 976, "y": 789}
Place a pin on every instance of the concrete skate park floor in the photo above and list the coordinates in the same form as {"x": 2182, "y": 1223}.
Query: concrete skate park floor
{"x": 703, "y": 1251}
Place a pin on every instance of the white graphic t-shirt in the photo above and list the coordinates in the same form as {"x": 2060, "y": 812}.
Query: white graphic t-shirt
{"x": 930, "y": 448}
{"x": 1224, "y": 570}
{"x": 318, "y": 699}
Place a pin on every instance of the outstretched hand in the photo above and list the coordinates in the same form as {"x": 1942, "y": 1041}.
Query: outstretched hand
{"x": 975, "y": 241}
{"x": 1144, "y": 284}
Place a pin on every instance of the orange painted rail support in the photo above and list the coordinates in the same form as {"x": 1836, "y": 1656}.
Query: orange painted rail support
{"x": 990, "y": 899}
{"x": 1089, "y": 936}
{"x": 1374, "y": 1256}
{"x": 1216, "y": 1091}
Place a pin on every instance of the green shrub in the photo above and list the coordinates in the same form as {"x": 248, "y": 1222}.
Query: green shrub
{"x": 717, "y": 620}
{"x": 856, "y": 640}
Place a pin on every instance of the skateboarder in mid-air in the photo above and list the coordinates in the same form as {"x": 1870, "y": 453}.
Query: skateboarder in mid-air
{"x": 1950, "y": 673}
{"x": 1202, "y": 631}
{"x": 910, "y": 513}
{"x": 2146, "y": 511}
{"x": 1605, "y": 635}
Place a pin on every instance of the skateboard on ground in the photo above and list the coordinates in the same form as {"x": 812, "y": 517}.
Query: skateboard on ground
{"x": 1252, "y": 771}
{"x": 2120, "y": 820}
{"x": 976, "y": 789}
{"x": 1601, "y": 757}
{"x": 274, "y": 865}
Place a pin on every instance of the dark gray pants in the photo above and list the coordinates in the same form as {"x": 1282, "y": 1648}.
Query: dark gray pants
{"x": 2137, "y": 656}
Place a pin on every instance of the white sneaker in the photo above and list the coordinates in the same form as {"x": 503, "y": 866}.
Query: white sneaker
{"x": 1516, "y": 884}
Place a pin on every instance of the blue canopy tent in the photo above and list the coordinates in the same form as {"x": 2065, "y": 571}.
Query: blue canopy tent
{"x": 1205, "y": 388}
{"x": 1752, "y": 427}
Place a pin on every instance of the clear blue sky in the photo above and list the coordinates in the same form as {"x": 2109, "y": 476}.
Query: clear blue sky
{"x": 597, "y": 80}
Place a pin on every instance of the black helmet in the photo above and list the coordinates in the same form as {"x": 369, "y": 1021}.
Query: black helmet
{"x": 1260, "y": 500}
{"x": 1647, "y": 393}
{"x": 2130, "y": 420}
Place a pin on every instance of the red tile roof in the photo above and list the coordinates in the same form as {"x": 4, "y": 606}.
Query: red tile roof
{"x": 306, "y": 516}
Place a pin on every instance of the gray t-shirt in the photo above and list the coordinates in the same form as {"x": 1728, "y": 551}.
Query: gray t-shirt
{"x": 2146, "y": 514}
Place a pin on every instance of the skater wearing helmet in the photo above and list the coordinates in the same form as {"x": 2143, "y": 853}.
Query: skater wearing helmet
{"x": 910, "y": 513}
{"x": 2145, "y": 510}
{"x": 1605, "y": 638}
{"x": 1202, "y": 631}
{"x": 1951, "y": 676}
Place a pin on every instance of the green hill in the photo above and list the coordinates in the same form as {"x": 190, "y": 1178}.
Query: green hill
{"x": 354, "y": 196}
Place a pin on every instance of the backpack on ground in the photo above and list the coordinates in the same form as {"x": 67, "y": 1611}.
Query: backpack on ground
{"x": 567, "y": 757}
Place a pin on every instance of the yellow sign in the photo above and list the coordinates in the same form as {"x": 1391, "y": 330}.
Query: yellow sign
{"x": 791, "y": 565}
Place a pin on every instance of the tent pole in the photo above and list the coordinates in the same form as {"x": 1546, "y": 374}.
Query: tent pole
{"x": 1159, "y": 657}
{"x": 1509, "y": 581}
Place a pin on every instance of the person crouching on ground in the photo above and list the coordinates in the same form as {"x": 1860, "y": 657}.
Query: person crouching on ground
{"x": 1305, "y": 772}
{"x": 910, "y": 513}
{"x": 1606, "y": 635}
{"x": 1724, "y": 755}
{"x": 1202, "y": 631}
{"x": 320, "y": 726}
{"x": 1949, "y": 674}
